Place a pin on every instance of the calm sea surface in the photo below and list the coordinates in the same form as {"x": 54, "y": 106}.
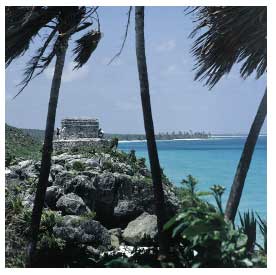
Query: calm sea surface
{"x": 212, "y": 161}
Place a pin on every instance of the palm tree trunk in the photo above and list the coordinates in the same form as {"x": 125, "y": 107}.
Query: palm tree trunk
{"x": 46, "y": 152}
{"x": 245, "y": 160}
{"x": 149, "y": 129}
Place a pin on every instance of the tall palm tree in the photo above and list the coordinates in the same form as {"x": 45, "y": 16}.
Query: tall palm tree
{"x": 149, "y": 129}
{"x": 229, "y": 35}
{"x": 22, "y": 25}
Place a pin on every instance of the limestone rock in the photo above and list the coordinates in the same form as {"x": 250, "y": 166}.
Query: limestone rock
{"x": 127, "y": 210}
{"x": 84, "y": 187}
{"x": 71, "y": 204}
{"x": 116, "y": 231}
{"x": 77, "y": 230}
{"x": 53, "y": 193}
{"x": 106, "y": 198}
{"x": 56, "y": 169}
{"x": 115, "y": 243}
{"x": 141, "y": 231}
{"x": 116, "y": 237}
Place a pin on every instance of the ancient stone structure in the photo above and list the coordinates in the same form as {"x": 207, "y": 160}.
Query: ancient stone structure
{"x": 77, "y": 133}
{"x": 74, "y": 128}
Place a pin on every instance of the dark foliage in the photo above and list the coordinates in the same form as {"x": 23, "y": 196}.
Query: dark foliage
{"x": 50, "y": 25}
{"x": 229, "y": 35}
{"x": 85, "y": 47}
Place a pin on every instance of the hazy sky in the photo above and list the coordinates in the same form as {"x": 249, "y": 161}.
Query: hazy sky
{"x": 111, "y": 93}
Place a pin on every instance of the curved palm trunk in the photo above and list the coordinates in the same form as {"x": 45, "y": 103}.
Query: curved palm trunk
{"x": 149, "y": 129}
{"x": 46, "y": 152}
{"x": 245, "y": 160}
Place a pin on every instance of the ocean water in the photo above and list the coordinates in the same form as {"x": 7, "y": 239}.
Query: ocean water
{"x": 212, "y": 161}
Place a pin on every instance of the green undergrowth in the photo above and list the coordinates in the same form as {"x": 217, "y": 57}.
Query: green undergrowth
{"x": 19, "y": 146}
{"x": 17, "y": 228}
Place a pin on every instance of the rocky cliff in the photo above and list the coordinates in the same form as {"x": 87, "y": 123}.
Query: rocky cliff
{"x": 101, "y": 201}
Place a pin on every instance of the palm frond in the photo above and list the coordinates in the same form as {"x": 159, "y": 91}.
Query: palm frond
{"x": 36, "y": 62}
{"x": 263, "y": 228}
{"x": 21, "y": 31}
{"x": 248, "y": 225}
{"x": 229, "y": 35}
{"x": 85, "y": 47}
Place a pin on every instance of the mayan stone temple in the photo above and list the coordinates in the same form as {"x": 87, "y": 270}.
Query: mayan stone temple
{"x": 79, "y": 132}
{"x": 72, "y": 128}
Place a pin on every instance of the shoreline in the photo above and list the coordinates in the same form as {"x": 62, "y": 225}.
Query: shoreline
{"x": 189, "y": 139}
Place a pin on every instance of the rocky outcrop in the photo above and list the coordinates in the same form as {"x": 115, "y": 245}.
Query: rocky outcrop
{"x": 72, "y": 204}
{"x": 141, "y": 231}
{"x": 83, "y": 186}
{"x": 78, "y": 230}
{"x": 104, "y": 201}
{"x": 53, "y": 193}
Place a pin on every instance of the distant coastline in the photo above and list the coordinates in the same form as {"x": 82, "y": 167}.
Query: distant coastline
{"x": 180, "y": 135}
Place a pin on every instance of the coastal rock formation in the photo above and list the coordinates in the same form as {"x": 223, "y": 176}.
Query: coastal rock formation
{"x": 103, "y": 200}
{"x": 53, "y": 193}
{"x": 72, "y": 204}
{"x": 74, "y": 229}
{"x": 142, "y": 231}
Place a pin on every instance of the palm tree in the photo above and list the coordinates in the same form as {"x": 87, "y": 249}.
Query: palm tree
{"x": 22, "y": 25}
{"x": 230, "y": 35}
{"x": 149, "y": 129}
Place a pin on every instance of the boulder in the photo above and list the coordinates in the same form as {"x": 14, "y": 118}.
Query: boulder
{"x": 63, "y": 178}
{"x": 84, "y": 187}
{"x": 141, "y": 231}
{"x": 116, "y": 237}
{"x": 77, "y": 230}
{"x": 10, "y": 174}
{"x": 116, "y": 232}
{"x": 92, "y": 163}
{"x": 127, "y": 210}
{"x": 26, "y": 169}
{"x": 71, "y": 204}
{"x": 56, "y": 169}
{"x": 115, "y": 242}
{"x": 53, "y": 193}
{"x": 106, "y": 198}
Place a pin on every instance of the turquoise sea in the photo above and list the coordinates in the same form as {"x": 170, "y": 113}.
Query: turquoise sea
{"x": 212, "y": 161}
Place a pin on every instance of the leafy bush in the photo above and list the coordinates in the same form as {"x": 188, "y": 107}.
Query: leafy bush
{"x": 78, "y": 166}
{"x": 263, "y": 228}
{"x": 89, "y": 215}
{"x": 132, "y": 156}
{"x": 248, "y": 227}
{"x": 202, "y": 238}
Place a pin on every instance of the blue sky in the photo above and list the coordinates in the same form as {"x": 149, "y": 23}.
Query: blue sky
{"x": 111, "y": 93}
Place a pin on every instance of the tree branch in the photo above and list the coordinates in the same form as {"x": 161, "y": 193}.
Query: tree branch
{"x": 125, "y": 37}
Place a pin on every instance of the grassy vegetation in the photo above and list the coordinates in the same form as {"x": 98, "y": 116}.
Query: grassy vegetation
{"x": 20, "y": 145}
{"x": 34, "y": 133}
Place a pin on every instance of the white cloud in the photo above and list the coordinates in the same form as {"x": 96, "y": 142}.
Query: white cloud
{"x": 69, "y": 74}
{"x": 166, "y": 46}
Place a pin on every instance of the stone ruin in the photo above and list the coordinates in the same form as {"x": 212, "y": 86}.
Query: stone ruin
{"x": 74, "y": 128}
{"x": 79, "y": 132}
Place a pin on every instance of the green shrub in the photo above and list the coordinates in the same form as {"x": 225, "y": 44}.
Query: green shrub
{"x": 107, "y": 165}
{"x": 248, "y": 227}
{"x": 78, "y": 166}
{"x": 89, "y": 215}
{"x": 202, "y": 238}
{"x": 263, "y": 228}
